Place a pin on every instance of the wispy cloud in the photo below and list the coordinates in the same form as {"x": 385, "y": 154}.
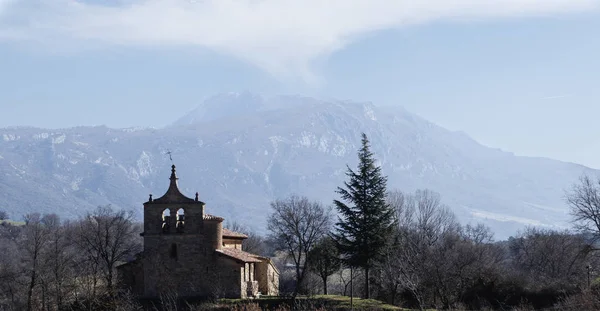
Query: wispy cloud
{"x": 282, "y": 37}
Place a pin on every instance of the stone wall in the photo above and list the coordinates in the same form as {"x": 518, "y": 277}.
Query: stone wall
{"x": 196, "y": 270}
{"x": 130, "y": 276}
{"x": 153, "y": 217}
{"x": 232, "y": 243}
{"x": 173, "y": 263}
{"x": 227, "y": 279}
{"x": 213, "y": 231}
{"x": 252, "y": 289}
{"x": 267, "y": 277}
{"x": 273, "y": 281}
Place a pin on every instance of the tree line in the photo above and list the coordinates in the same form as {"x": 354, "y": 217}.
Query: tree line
{"x": 54, "y": 264}
{"x": 407, "y": 249}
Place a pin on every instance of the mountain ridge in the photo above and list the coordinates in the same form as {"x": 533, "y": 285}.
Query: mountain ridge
{"x": 240, "y": 162}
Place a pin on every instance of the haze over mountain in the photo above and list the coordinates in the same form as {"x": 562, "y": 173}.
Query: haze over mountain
{"x": 242, "y": 150}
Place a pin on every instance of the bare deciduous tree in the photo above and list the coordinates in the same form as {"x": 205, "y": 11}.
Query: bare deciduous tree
{"x": 9, "y": 267}
{"x": 460, "y": 260}
{"x": 34, "y": 239}
{"x": 348, "y": 280}
{"x": 296, "y": 224}
{"x": 550, "y": 258}
{"x": 108, "y": 237}
{"x": 59, "y": 257}
{"x": 584, "y": 202}
{"x": 432, "y": 218}
{"x": 324, "y": 260}
{"x": 430, "y": 254}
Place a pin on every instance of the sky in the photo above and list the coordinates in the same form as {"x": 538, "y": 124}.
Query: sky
{"x": 519, "y": 75}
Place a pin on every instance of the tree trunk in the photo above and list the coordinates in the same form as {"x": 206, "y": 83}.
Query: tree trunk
{"x": 109, "y": 281}
{"x": 30, "y": 291}
{"x": 58, "y": 274}
{"x": 324, "y": 285}
{"x": 394, "y": 292}
{"x": 298, "y": 279}
{"x": 366, "y": 282}
{"x": 351, "y": 289}
{"x": 59, "y": 287}
{"x": 300, "y": 275}
{"x": 94, "y": 284}
{"x": 12, "y": 296}
{"x": 44, "y": 294}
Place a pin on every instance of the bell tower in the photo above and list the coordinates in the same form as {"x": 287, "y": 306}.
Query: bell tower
{"x": 189, "y": 255}
{"x": 179, "y": 242}
{"x": 173, "y": 213}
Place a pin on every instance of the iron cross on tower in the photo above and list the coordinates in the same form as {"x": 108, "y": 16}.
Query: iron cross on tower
{"x": 170, "y": 157}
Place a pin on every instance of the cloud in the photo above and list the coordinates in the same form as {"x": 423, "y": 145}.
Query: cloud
{"x": 282, "y": 37}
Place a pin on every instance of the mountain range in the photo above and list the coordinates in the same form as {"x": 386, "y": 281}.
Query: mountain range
{"x": 242, "y": 150}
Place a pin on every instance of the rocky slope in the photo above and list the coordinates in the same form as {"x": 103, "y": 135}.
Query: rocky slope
{"x": 239, "y": 151}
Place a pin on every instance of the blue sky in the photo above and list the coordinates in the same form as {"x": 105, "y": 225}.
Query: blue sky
{"x": 521, "y": 75}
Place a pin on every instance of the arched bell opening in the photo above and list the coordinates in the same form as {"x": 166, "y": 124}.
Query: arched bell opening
{"x": 180, "y": 220}
{"x": 166, "y": 218}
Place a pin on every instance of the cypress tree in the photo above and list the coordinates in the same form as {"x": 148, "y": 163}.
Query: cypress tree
{"x": 366, "y": 222}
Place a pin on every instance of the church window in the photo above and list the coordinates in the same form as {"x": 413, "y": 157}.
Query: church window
{"x": 180, "y": 220}
{"x": 174, "y": 251}
{"x": 166, "y": 220}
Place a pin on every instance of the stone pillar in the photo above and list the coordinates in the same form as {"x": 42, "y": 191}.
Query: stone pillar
{"x": 173, "y": 220}
{"x": 219, "y": 237}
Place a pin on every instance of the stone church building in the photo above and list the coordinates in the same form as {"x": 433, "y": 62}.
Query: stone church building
{"x": 187, "y": 252}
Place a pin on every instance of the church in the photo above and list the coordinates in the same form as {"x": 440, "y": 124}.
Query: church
{"x": 188, "y": 253}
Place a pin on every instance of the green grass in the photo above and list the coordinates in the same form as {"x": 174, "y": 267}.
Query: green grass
{"x": 12, "y": 222}
{"x": 358, "y": 303}
{"x": 329, "y": 302}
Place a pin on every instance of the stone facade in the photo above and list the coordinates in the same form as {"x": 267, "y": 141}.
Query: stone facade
{"x": 266, "y": 271}
{"x": 189, "y": 254}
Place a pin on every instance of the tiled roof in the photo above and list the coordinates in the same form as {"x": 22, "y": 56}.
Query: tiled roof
{"x": 238, "y": 254}
{"x": 232, "y": 234}
{"x": 211, "y": 217}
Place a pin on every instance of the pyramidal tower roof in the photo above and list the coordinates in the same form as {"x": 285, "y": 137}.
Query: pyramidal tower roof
{"x": 173, "y": 194}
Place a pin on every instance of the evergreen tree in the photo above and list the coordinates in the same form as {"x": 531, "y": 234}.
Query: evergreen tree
{"x": 364, "y": 224}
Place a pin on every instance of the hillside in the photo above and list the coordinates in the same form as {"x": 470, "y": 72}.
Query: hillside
{"x": 239, "y": 151}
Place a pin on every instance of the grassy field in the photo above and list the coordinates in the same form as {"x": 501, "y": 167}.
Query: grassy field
{"x": 12, "y": 222}
{"x": 319, "y": 302}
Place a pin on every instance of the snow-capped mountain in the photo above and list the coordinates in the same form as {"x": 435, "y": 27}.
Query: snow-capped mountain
{"x": 241, "y": 150}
